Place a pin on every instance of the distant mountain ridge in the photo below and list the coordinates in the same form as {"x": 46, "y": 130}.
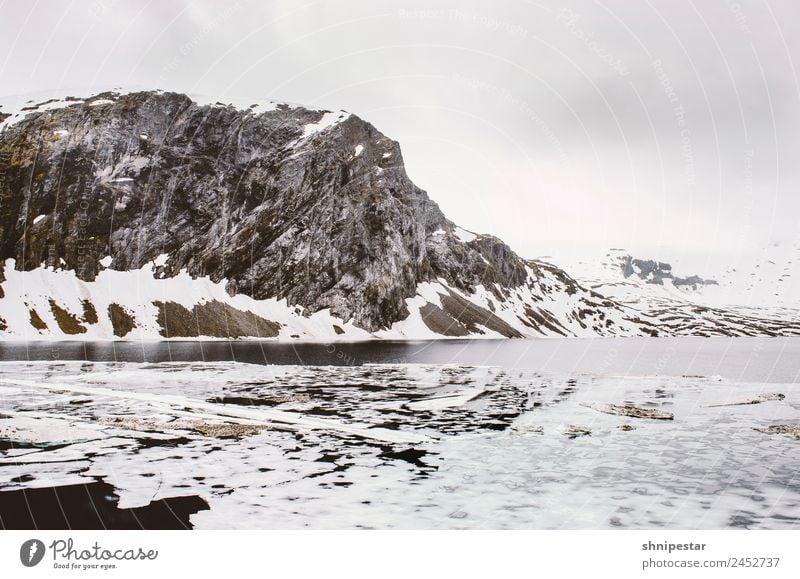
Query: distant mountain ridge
{"x": 691, "y": 304}
{"x": 150, "y": 215}
{"x": 657, "y": 271}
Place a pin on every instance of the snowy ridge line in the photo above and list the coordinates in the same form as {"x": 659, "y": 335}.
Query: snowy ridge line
{"x": 227, "y": 411}
{"x": 19, "y": 106}
{"x": 764, "y": 281}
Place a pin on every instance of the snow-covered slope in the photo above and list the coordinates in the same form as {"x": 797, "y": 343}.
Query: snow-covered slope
{"x": 753, "y": 296}
{"x": 53, "y": 303}
{"x": 152, "y": 215}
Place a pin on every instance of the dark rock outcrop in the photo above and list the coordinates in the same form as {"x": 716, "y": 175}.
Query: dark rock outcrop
{"x": 326, "y": 220}
{"x": 656, "y": 272}
{"x": 307, "y": 206}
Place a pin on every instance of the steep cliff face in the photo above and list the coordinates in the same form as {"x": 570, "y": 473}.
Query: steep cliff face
{"x": 313, "y": 206}
{"x": 268, "y": 220}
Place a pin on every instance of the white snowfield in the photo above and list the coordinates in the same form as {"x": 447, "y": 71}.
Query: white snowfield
{"x": 767, "y": 280}
{"x": 137, "y": 290}
{"x": 407, "y": 446}
{"x": 329, "y": 119}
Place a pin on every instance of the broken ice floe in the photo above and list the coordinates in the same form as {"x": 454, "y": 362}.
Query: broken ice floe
{"x": 632, "y": 411}
{"x": 203, "y": 427}
{"x": 507, "y": 448}
{"x": 288, "y": 420}
{"x": 792, "y": 430}
{"x": 755, "y": 400}
{"x": 573, "y": 431}
{"x": 527, "y": 429}
{"x": 43, "y": 432}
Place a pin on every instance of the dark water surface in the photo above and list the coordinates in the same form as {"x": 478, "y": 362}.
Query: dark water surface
{"x": 741, "y": 359}
{"x": 92, "y": 506}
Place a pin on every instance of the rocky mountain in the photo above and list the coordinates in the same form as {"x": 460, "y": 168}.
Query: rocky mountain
{"x": 656, "y": 272}
{"x": 153, "y": 215}
{"x": 691, "y": 304}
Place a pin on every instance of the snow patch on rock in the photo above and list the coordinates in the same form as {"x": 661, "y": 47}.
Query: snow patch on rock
{"x": 329, "y": 119}
{"x": 464, "y": 235}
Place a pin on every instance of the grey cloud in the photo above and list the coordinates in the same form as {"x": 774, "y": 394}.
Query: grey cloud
{"x": 546, "y": 123}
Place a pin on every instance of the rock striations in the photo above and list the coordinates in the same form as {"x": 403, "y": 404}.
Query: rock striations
{"x": 153, "y": 215}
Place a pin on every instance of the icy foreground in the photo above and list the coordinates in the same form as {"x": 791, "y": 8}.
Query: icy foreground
{"x": 406, "y": 446}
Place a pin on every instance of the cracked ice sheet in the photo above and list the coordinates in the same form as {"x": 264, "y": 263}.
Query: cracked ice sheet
{"x": 51, "y": 399}
{"x": 707, "y": 468}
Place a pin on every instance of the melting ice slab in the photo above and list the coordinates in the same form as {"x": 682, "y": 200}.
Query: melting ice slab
{"x": 290, "y": 420}
{"x": 406, "y": 446}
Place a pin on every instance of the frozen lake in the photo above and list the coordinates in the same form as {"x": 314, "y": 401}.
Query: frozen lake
{"x": 544, "y": 434}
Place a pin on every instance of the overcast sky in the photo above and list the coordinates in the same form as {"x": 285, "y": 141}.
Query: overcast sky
{"x": 667, "y": 127}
